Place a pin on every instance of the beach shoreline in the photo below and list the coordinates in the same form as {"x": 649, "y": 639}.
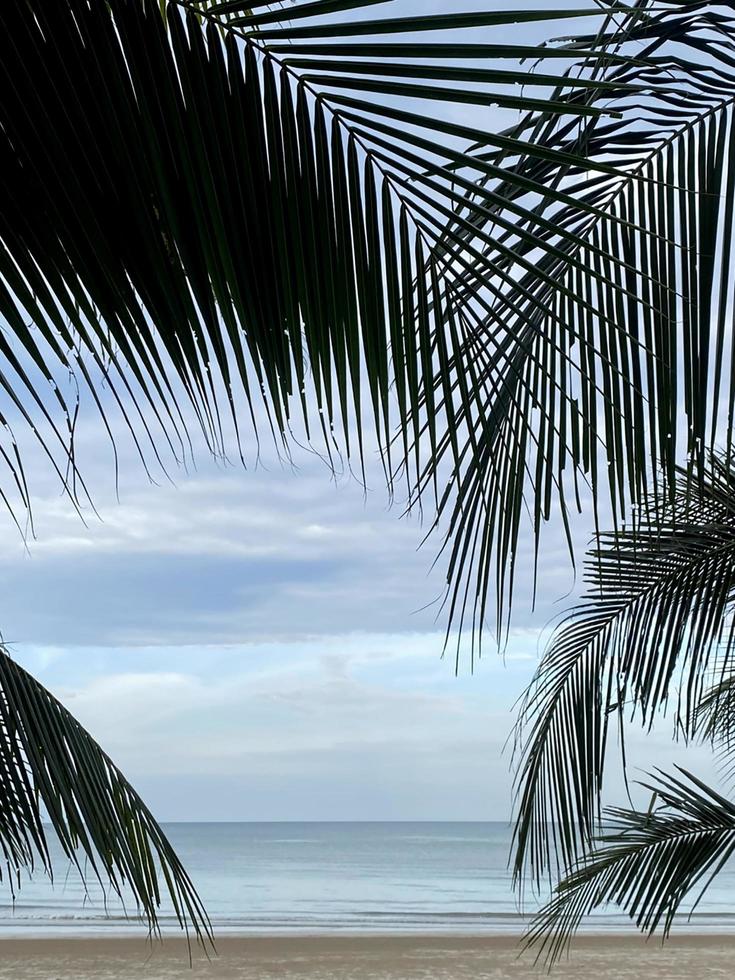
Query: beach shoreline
{"x": 373, "y": 957}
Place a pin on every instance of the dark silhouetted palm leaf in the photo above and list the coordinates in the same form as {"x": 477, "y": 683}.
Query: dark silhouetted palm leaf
{"x": 54, "y": 775}
{"x": 271, "y": 214}
{"x": 655, "y": 619}
{"x": 647, "y": 863}
{"x": 234, "y": 210}
{"x": 212, "y": 215}
{"x": 593, "y": 362}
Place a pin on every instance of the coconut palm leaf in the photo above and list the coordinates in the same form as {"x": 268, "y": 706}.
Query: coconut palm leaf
{"x": 341, "y": 264}
{"x": 647, "y": 863}
{"x": 203, "y": 216}
{"x": 609, "y": 359}
{"x": 655, "y": 620}
{"x": 55, "y": 778}
{"x": 261, "y": 210}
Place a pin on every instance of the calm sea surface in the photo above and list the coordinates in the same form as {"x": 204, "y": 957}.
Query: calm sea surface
{"x": 327, "y": 878}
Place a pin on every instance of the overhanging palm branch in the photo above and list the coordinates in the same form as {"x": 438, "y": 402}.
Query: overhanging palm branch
{"x": 251, "y": 208}
{"x": 339, "y": 261}
{"x": 610, "y": 358}
{"x": 55, "y": 778}
{"x": 209, "y": 214}
{"x": 648, "y": 863}
{"x": 335, "y": 237}
{"x": 655, "y": 621}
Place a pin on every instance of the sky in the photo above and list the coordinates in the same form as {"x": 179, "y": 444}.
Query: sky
{"x": 266, "y": 643}
{"x": 256, "y": 645}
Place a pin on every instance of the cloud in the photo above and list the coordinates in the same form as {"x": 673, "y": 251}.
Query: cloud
{"x": 352, "y": 727}
{"x": 231, "y": 557}
{"x": 358, "y": 726}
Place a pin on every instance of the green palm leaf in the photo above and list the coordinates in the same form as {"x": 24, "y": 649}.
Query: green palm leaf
{"x": 305, "y": 237}
{"x": 207, "y": 216}
{"x": 247, "y": 210}
{"x": 53, "y": 774}
{"x": 648, "y": 863}
{"x": 593, "y": 362}
{"x": 655, "y": 619}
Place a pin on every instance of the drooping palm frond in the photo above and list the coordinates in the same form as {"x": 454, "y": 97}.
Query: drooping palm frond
{"x": 351, "y": 257}
{"x": 647, "y": 863}
{"x": 655, "y": 619}
{"x": 254, "y": 208}
{"x": 611, "y": 357}
{"x": 209, "y": 213}
{"x": 52, "y": 772}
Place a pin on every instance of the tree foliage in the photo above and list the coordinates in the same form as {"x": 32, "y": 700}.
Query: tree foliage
{"x": 507, "y": 260}
{"x": 655, "y": 630}
{"x": 647, "y": 863}
{"x": 230, "y": 211}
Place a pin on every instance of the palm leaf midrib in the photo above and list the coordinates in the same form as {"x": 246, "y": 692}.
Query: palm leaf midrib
{"x": 626, "y": 180}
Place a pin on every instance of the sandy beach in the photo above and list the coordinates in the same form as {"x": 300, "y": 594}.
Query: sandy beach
{"x": 364, "y": 958}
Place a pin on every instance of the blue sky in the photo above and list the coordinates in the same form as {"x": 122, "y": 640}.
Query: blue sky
{"x": 256, "y": 644}
{"x": 251, "y": 645}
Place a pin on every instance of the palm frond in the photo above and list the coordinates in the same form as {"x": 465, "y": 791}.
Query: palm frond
{"x": 655, "y": 619}
{"x": 250, "y": 210}
{"x": 647, "y": 863}
{"x": 204, "y": 216}
{"x": 506, "y": 300}
{"x": 610, "y": 357}
{"x": 52, "y": 772}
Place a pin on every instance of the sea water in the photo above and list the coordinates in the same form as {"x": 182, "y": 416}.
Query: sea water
{"x": 326, "y": 878}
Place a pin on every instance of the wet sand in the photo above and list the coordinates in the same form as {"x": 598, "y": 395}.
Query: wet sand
{"x": 625, "y": 957}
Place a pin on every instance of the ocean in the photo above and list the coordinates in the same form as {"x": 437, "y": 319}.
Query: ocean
{"x": 327, "y": 878}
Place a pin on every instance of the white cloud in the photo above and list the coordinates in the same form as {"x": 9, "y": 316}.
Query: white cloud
{"x": 346, "y": 727}
{"x": 272, "y": 729}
